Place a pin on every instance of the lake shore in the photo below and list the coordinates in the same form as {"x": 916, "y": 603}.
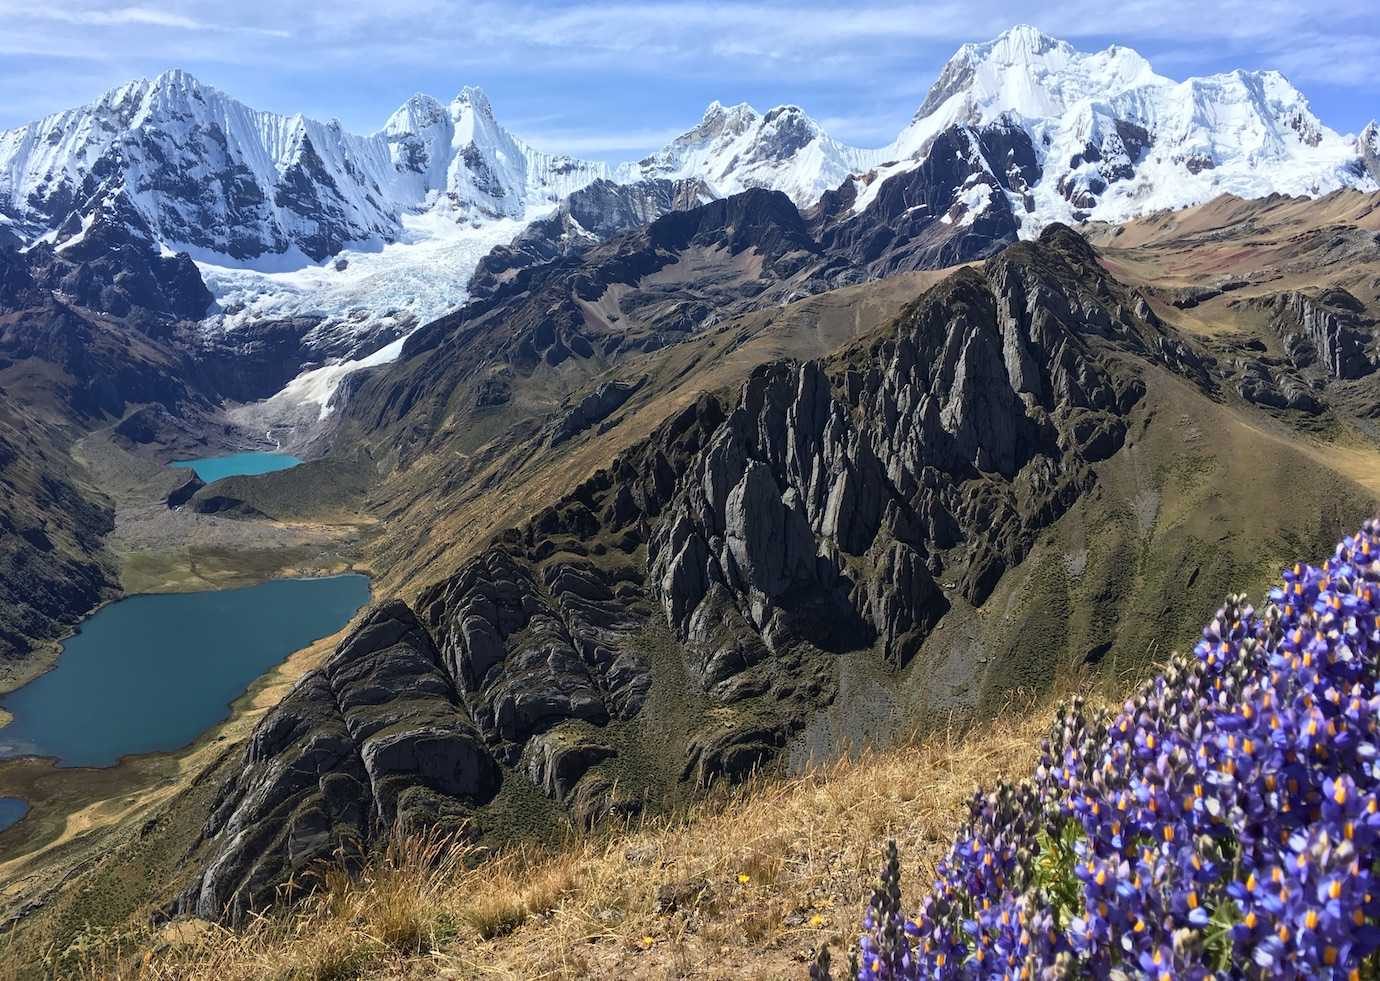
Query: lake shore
{"x": 78, "y": 815}
{"x": 151, "y": 672}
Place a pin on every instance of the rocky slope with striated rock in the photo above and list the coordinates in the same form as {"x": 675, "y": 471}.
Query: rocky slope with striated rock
{"x": 808, "y": 526}
{"x": 1290, "y": 317}
{"x": 680, "y": 615}
{"x": 372, "y": 738}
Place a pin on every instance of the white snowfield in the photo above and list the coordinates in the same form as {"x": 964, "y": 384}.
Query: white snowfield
{"x": 416, "y": 279}
{"x": 418, "y": 203}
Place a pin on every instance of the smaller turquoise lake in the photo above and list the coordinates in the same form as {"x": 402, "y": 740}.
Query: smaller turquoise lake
{"x": 211, "y": 468}
{"x": 149, "y": 674}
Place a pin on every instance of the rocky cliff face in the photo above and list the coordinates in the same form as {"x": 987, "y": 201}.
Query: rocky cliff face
{"x": 680, "y": 615}
{"x": 1330, "y": 332}
{"x": 590, "y": 216}
{"x": 1368, "y": 149}
{"x": 375, "y": 737}
{"x": 52, "y": 567}
{"x": 1329, "y": 344}
{"x": 953, "y": 207}
{"x": 111, "y": 263}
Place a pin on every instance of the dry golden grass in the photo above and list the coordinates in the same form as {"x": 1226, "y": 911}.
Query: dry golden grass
{"x": 749, "y": 884}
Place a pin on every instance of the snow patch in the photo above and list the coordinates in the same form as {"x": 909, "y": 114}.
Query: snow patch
{"x": 973, "y": 201}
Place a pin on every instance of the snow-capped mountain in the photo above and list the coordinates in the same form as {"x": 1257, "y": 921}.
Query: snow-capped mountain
{"x": 735, "y": 147}
{"x": 208, "y": 172}
{"x": 357, "y": 239}
{"x": 1368, "y": 146}
{"x": 1114, "y": 139}
{"x": 478, "y": 167}
{"x": 241, "y": 187}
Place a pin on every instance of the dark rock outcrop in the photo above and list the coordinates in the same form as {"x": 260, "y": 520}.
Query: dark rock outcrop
{"x": 952, "y": 208}
{"x": 588, "y": 217}
{"x": 111, "y": 264}
{"x": 1329, "y": 331}
{"x": 594, "y": 408}
{"x": 374, "y": 737}
{"x": 210, "y": 499}
{"x": 1280, "y": 390}
{"x": 183, "y": 492}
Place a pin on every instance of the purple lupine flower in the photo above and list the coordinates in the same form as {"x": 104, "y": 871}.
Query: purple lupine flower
{"x": 1224, "y": 823}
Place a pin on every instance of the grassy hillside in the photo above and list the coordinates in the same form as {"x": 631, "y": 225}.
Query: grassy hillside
{"x": 1205, "y": 811}
{"x": 747, "y": 885}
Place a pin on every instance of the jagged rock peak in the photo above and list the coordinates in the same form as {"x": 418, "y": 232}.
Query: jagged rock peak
{"x": 1031, "y": 73}
{"x": 418, "y": 111}
{"x": 733, "y": 148}
{"x": 716, "y": 114}
{"x": 473, "y": 97}
{"x": 1368, "y": 143}
{"x": 178, "y": 78}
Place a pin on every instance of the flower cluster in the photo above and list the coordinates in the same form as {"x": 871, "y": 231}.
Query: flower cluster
{"x": 1224, "y": 823}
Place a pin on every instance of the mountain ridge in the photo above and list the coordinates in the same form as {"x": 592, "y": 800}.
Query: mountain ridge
{"x": 285, "y": 182}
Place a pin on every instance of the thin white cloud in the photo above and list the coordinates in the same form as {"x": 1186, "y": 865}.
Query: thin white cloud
{"x": 862, "y": 67}
{"x": 748, "y": 39}
{"x": 133, "y": 16}
{"x": 119, "y": 15}
{"x": 1349, "y": 61}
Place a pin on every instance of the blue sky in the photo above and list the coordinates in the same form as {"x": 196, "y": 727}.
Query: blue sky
{"x": 613, "y": 80}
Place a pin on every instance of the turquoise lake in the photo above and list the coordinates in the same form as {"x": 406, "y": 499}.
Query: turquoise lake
{"x": 151, "y": 673}
{"x": 210, "y": 468}
{"x": 11, "y": 810}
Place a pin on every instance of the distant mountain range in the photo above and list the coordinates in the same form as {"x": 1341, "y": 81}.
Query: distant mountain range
{"x": 1110, "y": 137}
{"x": 406, "y": 215}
